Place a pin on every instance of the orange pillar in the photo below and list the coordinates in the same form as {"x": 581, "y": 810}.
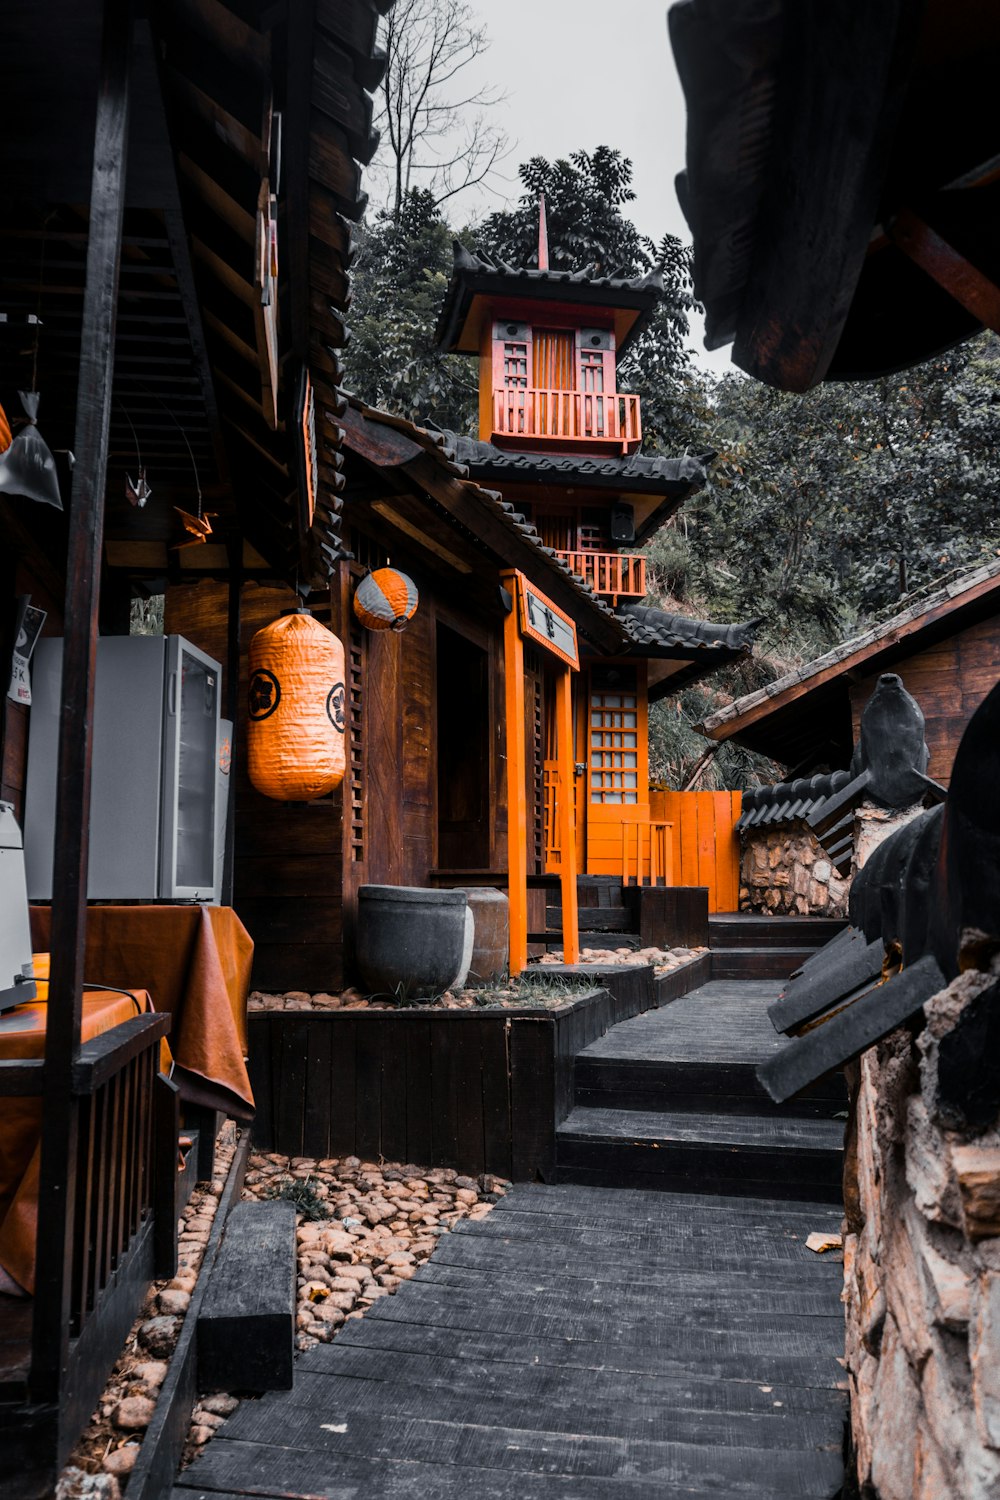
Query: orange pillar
{"x": 517, "y": 795}
{"x": 565, "y": 811}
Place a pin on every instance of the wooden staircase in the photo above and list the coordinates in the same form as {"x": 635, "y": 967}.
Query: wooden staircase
{"x": 746, "y": 946}
{"x": 607, "y": 918}
{"x": 670, "y": 1100}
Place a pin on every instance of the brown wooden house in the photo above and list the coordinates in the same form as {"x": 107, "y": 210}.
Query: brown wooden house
{"x": 945, "y": 645}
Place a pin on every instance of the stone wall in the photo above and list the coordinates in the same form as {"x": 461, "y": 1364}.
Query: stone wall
{"x": 922, "y": 1256}
{"x": 785, "y": 872}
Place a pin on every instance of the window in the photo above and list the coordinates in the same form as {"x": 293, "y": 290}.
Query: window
{"x": 515, "y": 365}
{"x": 592, "y": 369}
{"x": 614, "y": 747}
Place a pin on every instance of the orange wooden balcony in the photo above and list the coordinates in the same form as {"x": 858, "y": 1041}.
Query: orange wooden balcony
{"x": 613, "y": 575}
{"x": 536, "y": 417}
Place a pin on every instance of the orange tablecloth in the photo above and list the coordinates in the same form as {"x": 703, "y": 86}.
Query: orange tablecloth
{"x": 195, "y": 963}
{"x": 22, "y": 1036}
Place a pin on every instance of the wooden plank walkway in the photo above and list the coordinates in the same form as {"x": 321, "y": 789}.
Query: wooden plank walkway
{"x": 578, "y": 1344}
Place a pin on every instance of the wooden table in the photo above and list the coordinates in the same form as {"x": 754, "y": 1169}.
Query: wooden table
{"x": 195, "y": 962}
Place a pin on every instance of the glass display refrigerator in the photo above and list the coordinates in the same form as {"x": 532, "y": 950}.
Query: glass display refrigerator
{"x": 155, "y": 822}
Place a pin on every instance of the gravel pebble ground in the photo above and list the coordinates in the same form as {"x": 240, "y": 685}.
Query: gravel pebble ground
{"x": 363, "y": 1228}
{"x": 664, "y": 961}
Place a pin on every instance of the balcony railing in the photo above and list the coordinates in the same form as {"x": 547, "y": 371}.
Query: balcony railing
{"x": 615, "y": 575}
{"x": 567, "y": 416}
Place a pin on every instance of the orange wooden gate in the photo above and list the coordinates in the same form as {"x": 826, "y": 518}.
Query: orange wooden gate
{"x": 705, "y": 846}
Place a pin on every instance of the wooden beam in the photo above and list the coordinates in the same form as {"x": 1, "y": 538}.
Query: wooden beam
{"x": 297, "y": 125}
{"x": 948, "y": 267}
{"x": 565, "y": 814}
{"x": 57, "y": 1190}
{"x": 517, "y": 792}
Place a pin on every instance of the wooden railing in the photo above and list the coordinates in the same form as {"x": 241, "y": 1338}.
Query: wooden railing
{"x": 647, "y": 854}
{"x": 116, "y": 1082}
{"x": 567, "y": 416}
{"x": 618, "y": 575}
{"x": 124, "y": 1216}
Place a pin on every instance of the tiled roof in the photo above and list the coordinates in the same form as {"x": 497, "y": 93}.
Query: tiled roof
{"x": 478, "y": 273}
{"x": 681, "y": 636}
{"x": 679, "y": 476}
{"x": 438, "y": 446}
{"x": 652, "y": 632}
{"x": 921, "y": 604}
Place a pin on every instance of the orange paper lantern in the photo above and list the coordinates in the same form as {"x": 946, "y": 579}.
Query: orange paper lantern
{"x": 385, "y": 600}
{"x": 295, "y": 733}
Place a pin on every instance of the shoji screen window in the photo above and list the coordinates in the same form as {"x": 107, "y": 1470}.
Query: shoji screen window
{"x": 614, "y": 746}
{"x": 515, "y": 365}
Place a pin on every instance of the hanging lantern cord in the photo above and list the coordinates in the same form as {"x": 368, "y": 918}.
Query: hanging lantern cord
{"x": 194, "y": 467}
{"x": 135, "y": 436}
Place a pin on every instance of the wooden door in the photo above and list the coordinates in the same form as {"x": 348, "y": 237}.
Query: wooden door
{"x": 534, "y": 757}
{"x": 554, "y": 360}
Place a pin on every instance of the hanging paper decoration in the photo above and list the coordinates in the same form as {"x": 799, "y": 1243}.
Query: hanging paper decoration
{"x": 386, "y": 600}
{"x": 296, "y": 709}
{"x": 199, "y": 527}
{"x": 137, "y": 491}
{"x": 26, "y": 464}
{"x": 5, "y": 435}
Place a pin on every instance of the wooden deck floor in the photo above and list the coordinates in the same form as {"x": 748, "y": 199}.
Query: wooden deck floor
{"x": 578, "y": 1344}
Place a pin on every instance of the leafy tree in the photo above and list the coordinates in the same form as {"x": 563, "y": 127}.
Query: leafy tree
{"x": 404, "y": 265}
{"x": 585, "y": 197}
{"x": 400, "y": 278}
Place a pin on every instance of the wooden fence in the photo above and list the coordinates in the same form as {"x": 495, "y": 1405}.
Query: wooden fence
{"x": 706, "y": 850}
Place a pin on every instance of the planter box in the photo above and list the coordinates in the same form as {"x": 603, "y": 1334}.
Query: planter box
{"x": 479, "y": 1090}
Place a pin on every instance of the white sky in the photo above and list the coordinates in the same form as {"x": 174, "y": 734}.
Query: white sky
{"x": 580, "y": 74}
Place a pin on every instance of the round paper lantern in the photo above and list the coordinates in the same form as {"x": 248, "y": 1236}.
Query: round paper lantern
{"x": 385, "y": 600}
{"x": 295, "y": 730}
{"x": 5, "y": 436}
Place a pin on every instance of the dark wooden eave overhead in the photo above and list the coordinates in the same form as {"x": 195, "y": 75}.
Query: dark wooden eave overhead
{"x": 228, "y": 95}
{"x": 843, "y": 180}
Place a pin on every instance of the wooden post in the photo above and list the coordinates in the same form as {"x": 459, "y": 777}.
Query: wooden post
{"x": 517, "y": 793}
{"x": 234, "y": 551}
{"x": 566, "y": 824}
{"x": 50, "y": 1330}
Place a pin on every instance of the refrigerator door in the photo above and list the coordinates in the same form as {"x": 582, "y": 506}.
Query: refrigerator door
{"x": 16, "y": 982}
{"x": 190, "y": 741}
{"x": 223, "y": 770}
{"x": 125, "y": 784}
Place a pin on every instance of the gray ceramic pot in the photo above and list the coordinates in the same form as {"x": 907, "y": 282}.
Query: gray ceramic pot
{"x": 412, "y": 941}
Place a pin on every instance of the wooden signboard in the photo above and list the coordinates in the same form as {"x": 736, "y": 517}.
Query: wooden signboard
{"x": 545, "y": 624}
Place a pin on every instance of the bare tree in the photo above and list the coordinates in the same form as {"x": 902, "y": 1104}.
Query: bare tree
{"x": 437, "y": 135}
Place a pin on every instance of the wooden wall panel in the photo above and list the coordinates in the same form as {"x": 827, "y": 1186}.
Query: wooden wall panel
{"x": 949, "y": 680}
{"x": 706, "y": 846}
{"x": 288, "y": 856}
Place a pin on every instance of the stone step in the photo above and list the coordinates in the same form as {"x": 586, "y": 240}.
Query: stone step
{"x": 741, "y": 1155}
{"x": 747, "y": 930}
{"x": 688, "y": 1086}
{"x": 758, "y": 962}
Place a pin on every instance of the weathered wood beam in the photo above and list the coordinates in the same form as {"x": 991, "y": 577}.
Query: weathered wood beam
{"x": 928, "y": 249}
{"x": 298, "y": 108}
{"x": 50, "y": 1329}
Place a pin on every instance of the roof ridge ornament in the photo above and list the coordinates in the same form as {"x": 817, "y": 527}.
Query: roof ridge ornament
{"x": 543, "y": 235}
